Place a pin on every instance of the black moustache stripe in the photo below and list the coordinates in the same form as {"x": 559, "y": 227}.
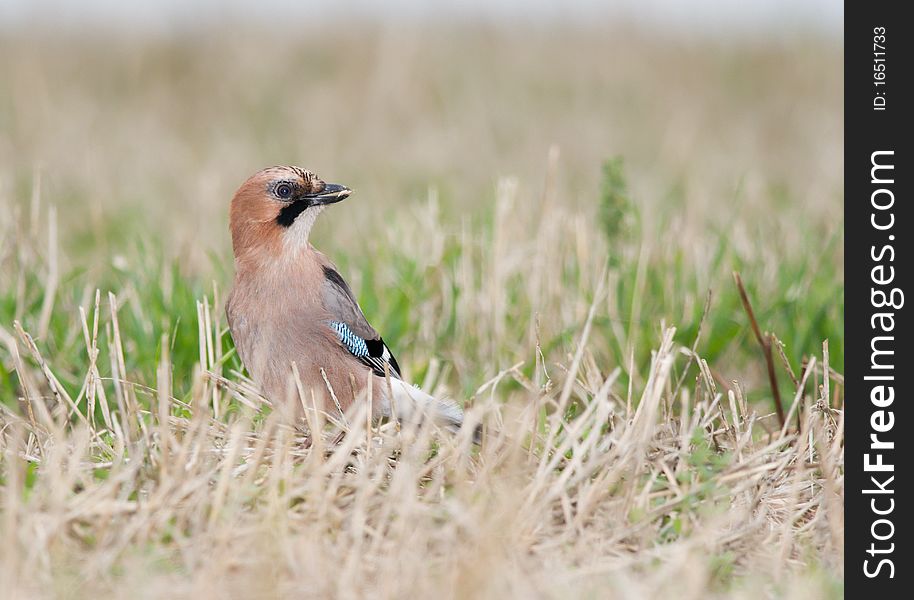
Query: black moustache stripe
{"x": 290, "y": 212}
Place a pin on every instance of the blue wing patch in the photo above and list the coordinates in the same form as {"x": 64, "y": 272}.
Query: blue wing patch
{"x": 353, "y": 343}
{"x": 373, "y": 353}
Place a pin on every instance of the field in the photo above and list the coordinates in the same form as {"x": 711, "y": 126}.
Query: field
{"x": 545, "y": 227}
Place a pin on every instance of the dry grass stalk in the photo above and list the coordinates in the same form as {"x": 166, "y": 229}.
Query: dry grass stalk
{"x": 254, "y": 506}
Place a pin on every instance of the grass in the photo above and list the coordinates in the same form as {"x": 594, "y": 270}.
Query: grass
{"x": 583, "y": 307}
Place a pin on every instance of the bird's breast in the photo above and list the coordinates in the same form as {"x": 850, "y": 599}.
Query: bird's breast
{"x": 277, "y": 319}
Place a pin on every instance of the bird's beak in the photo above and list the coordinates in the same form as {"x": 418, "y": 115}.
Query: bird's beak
{"x": 331, "y": 194}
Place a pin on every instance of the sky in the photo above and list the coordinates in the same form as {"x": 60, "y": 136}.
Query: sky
{"x": 714, "y": 17}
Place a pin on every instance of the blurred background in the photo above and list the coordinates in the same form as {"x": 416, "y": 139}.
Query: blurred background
{"x": 675, "y": 141}
{"x": 540, "y": 190}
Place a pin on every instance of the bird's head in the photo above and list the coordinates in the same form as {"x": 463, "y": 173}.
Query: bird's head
{"x": 275, "y": 209}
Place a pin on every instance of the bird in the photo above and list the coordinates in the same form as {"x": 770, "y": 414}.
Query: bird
{"x": 290, "y": 311}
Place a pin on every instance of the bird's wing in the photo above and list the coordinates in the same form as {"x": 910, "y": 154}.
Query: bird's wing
{"x": 351, "y": 327}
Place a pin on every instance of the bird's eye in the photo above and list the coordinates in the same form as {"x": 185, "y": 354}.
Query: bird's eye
{"x": 284, "y": 191}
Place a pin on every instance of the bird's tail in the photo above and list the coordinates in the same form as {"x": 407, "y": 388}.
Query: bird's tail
{"x": 410, "y": 404}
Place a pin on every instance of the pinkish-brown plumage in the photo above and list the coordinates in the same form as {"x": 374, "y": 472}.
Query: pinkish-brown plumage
{"x": 287, "y": 298}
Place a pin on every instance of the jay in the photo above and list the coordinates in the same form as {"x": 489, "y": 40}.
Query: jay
{"x": 289, "y": 304}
